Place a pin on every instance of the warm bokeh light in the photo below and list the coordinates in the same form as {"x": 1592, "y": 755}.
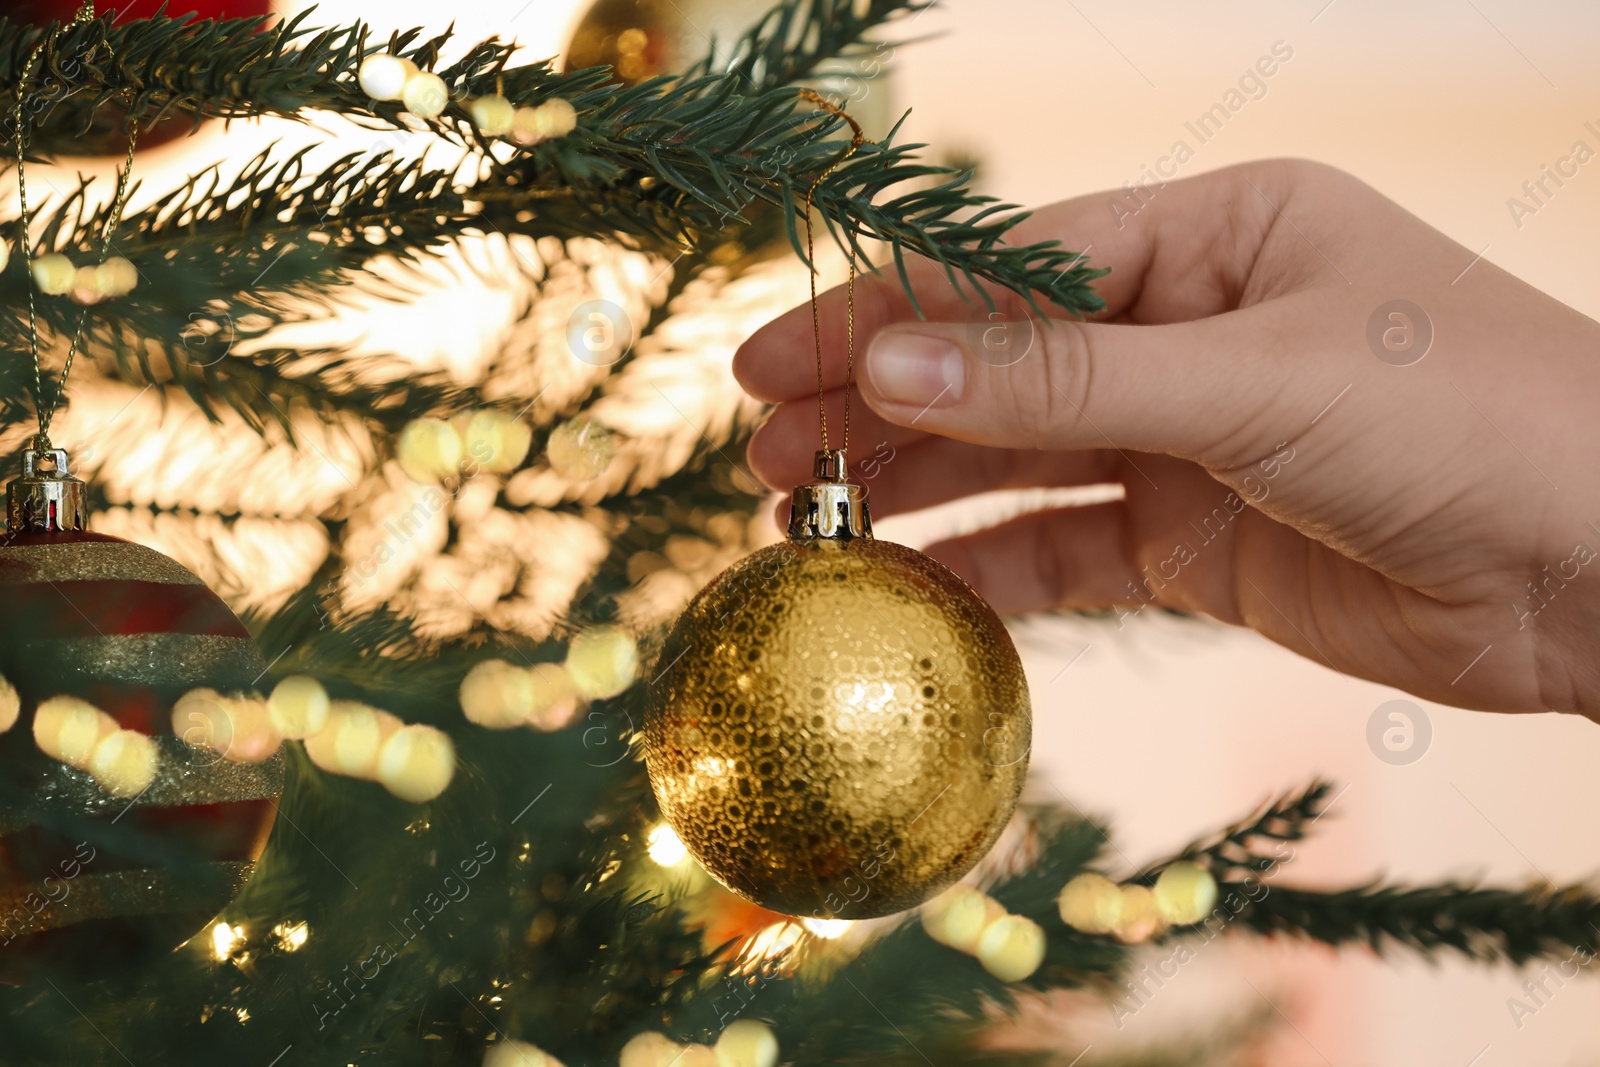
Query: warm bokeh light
{"x": 768, "y": 943}
{"x": 291, "y": 936}
{"x": 224, "y": 939}
{"x": 828, "y": 929}
{"x": 665, "y": 847}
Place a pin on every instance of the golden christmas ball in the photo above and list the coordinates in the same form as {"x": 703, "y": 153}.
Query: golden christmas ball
{"x": 840, "y": 726}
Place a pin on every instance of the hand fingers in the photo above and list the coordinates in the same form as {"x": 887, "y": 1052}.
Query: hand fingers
{"x": 1065, "y": 558}
{"x": 905, "y": 469}
{"x": 938, "y": 470}
{"x": 1253, "y": 572}
{"x": 1175, "y": 547}
{"x": 1121, "y": 556}
{"x": 1222, "y": 391}
{"x": 1188, "y": 255}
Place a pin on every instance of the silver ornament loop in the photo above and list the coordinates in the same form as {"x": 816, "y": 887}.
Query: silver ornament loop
{"x": 46, "y": 499}
{"x": 834, "y": 508}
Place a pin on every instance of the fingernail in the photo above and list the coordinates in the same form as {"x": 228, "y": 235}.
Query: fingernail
{"x": 913, "y": 368}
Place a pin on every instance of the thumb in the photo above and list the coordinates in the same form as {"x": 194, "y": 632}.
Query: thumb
{"x": 1217, "y": 390}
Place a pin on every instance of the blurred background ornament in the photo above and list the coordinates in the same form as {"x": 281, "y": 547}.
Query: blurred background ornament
{"x": 117, "y": 840}
{"x": 1140, "y": 918}
{"x": 645, "y": 38}
{"x": 497, "y": 694}
{"x": 429, "y": 450}
{"x": 1011, "y": 948}
{"x": 39, "y": 12}
{"x": 639, "y": 38}
{"x": 553, "y": 118}
{"x": 508, "y": 1053}
{"x": 383, "y": 76}
{"x": 416, "y": 762}
{"x": 493, "y": 440}
{"x": 747, "y": 1043}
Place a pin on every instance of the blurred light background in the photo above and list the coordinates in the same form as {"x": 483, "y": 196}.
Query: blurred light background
{"x": 1169, "y": 727}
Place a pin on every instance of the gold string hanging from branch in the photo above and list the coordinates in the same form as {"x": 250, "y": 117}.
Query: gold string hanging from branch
{"x": 857, "y": 139}
{"x": 112, "y": 283}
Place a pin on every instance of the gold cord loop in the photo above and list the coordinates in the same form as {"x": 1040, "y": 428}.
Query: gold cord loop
{"x": 857, "y": 139}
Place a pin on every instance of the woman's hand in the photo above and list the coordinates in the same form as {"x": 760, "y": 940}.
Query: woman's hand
{"x": 1332, "y": 424}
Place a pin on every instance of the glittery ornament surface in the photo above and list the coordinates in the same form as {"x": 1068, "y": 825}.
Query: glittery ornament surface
{"x": 841, "y": 728}
{"x": 91, "y": 882}
{"x": 87, "y": 557}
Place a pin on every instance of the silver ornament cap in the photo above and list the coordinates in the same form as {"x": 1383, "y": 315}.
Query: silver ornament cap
{"x": 46, "y": 498}
{"x": 832, "y": 508}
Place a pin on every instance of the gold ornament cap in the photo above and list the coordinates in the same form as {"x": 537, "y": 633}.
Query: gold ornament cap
{"x": 832, "y": 508}
{"x": 46, "y": 498}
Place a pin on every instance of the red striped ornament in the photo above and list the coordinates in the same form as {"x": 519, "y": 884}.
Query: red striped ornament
{"x": 91, "y": 883}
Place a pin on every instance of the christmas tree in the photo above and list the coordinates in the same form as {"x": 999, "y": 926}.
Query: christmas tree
{"x": 459, "y": 576}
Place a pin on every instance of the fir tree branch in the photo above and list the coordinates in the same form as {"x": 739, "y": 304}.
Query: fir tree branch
{"x": 963, "y": 232}
{"x": 938, "y": 996}
{"x": 275, "y": 243}
{"x": 669, "y": 164}
{"x": 1483, "y": 924}
{"x": 93, "y": 76}
{"x": 224, "y": 263}
{"x": 260, "y": 66}
{"x": 1240, "y": 847}
{"x": 792, "y": 40}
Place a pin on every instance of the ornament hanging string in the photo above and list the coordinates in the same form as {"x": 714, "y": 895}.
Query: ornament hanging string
{"x": 46, "y": 410}
{"x": 857, "y": 139}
